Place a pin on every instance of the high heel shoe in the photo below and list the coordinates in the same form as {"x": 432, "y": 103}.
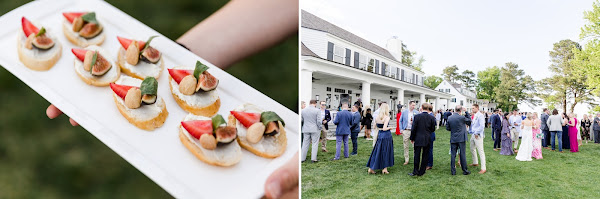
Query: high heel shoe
{"x": 370, "y": 171}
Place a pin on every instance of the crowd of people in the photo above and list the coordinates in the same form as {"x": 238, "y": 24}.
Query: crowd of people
{"x": 522, "y": 133}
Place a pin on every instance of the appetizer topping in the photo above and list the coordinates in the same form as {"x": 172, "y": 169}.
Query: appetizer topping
{"x": 100, "y": 66}
{"x": 178, "y": 75}
{"x": 197, "y": 128}
{"x": 126, "y": 42}
{"x": 120, "y": 90}
{"x": 150, "y": 55}
{"x": 29, "y": 42}
{"x": 77, "y": 24}
{"x": 149, "y": 89}
{"x": 90, "y": 26}
{"x": 208, "y": 141}
{"x": 133, "y": 99}
{"x": 41, "y": 41}
{"x": 70, "y": 16}
{"x": 79, "y": 53}
{"x": 28, "y": 27}
{"x": 225, "y": 134}
{"x": 271, "y": 120}
{"x": 255, "y": 132}
{"x": 206, "y": 81}
{"x": 247, "y": 119}
{"x": 133, "y": 54}
{"x": 87, "y": 61}
{"x": 187, "y": 85}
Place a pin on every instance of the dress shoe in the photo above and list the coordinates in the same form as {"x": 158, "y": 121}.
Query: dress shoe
{"x": 333, "y": 159}
{"x": 412, "y": 174}
{"x": 303, "y": 161}
{"x": 453, "y": 173}
{"x": 428, "y": 168}
{"x": 353, "y": 153}
{"x": 466, "y": 172}
{"x": 324, "y": 150}
{"x": 315, "y": 161}
{"x": 473, "y": 165}
{"x": 482, "y": 171}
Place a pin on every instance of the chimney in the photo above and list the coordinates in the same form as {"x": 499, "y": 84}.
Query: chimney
{"x": 394, "y": 46}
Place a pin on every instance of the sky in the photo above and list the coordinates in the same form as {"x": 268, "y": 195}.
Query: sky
{"x": 470, "y": 34}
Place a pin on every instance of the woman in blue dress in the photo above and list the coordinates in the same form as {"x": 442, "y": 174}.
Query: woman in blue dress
{"x": 565, "y": 132}
{"x": 382, "y": 155}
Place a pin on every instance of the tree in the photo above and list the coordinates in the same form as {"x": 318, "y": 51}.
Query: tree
{"x": 488, "y": 80}
{"x": 408, "y": 58}
{"x": 419, "y": 65}
{"x": 515, "y": 87}
{"x": 468, "y": 79}
{"x": 450, "y": 73}
{"x": 567, "y": 87}
{"x": 432, "y": 81}
{"x": 586, "y": 61}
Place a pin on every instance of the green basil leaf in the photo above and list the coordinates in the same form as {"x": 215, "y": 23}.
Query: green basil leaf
{"x": 200, "y": 68}
{"x": 217, "y": 121}
{"x": 147, "y": 43}
{"x": 94, "y": 58}
{"x": 41, "y": 32}
{"x": 149, "y": 86}
{"x": 270, "y": 116}
{"x": 90, "y": 17}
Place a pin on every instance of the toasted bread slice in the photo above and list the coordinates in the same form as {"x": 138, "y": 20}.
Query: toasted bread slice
{"x": 142, "y": 69}
{"x": 111, "y": 76}
{"x": 224, "y": 155}
{"x": 268, "y": 146}
{"x": 147, "y": 117}
{"x": 200, "y": 103}
{"x": 77, "y": 40}
{"x": 36, "y": 59}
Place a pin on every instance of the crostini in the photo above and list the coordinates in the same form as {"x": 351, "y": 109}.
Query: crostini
{"x": 37, "y": 48}
{"x": 210, "y": 139}
{"x": 139, "y": 103}
{"x": 94, "y": 66}
{"x": 138, "y": 59}
{"x": 260, "y": 132}
{"x": 83, "y": 29}
{"x": 195, "y": 89}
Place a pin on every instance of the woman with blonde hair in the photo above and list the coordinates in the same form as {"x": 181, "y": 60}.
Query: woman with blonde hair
{"x": 382, "y": 155}
{"x": 537, "y": 137}
{"x": 526, "y": 147}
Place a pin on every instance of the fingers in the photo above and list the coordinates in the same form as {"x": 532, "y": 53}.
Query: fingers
{"x": 73, "y": 122}
{"x": 284, "y": 181}
{"x": 53, "y": 112}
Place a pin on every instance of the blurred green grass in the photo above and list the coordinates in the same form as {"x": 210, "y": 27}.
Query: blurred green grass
{"x": 42, "y": 158}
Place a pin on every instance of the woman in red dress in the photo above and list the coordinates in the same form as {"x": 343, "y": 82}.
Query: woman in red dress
{"x": 398, "y": 132}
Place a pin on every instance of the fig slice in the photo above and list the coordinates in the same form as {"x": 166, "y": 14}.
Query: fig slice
{"x": 101, "y": 67}
{"x": 90, "y": 30}
{"x": 272, "y": 128}
{"x": 149, "y": 99}
{"x": 226, "y": 134}
{"x": 150, "y": 55}
{"x": 42, "y": 42}
{"x": 207, "y": 82}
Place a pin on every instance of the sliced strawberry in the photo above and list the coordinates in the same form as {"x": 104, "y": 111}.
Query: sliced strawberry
{"x": 70, "y": 16}
{"x": 198, "y": 127}
{"x": 121, "y": 90}
{"x": 247, "y": 119}
{"x": 178, "y": 74}
{"x": 79, "y": 53}
{"x": 28, "y": 27}
{"x": 126, "y": 42}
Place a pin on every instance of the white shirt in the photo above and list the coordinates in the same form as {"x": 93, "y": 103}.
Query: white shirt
{"x": 323, "y": 114}
{"x": 375, "y": 114}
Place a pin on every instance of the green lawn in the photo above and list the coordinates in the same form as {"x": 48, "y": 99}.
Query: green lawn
{"x": 567, "y": 175}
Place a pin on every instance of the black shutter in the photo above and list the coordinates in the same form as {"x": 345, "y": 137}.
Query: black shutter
{"x": 376, "y": 67}
{"x": 413, "y": 79}
{"x": 397, "y": 73}
{"x": 329, "y": 51}
{"x": 417, "y": 79}
{"x": 402, "y": 75}
{"x": 356, "y": 59}
{"x": 348, "y": 53}
{"x": 383, "y": 68}
{"x": 422, "y": 80}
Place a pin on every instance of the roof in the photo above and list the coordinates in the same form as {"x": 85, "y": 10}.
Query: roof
{"x": 313, "y": 22}
{"x": 307, "y": 52}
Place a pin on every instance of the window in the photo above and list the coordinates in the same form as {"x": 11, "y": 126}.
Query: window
{"x": 461, "y": 103}
{"x": 393, "y": 72}
{"x": 328, "y": 88}
{"x": 447, "y": 90}
{"x": 453, "y": 99}
{"x": 339, "y": 90}
{"x": 371, "y": 65}
{"x": 362, "y": 62}
{"x": 349, "y": 91}
{"x": 339, "y": 54}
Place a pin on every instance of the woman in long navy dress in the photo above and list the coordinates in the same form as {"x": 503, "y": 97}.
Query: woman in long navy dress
{"x": 565, "y": 132}
{"x": 382, "y": 155}
{"x": 506, "y": 144}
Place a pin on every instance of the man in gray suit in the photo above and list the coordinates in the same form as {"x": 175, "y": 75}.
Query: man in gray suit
{"x": 545, "y": 129}
{"x": 596, "y": 128}
{"x": 311, "y": 128}
{"x": 458, "y": 136}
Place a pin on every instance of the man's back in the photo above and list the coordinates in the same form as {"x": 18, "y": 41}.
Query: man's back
{"x": 311, "y": 117}
{"x": 343, "y": 120}
{"x": 457, "y": 127}
{"x": 596, "y": 125}
{"x": 423, "y": 124}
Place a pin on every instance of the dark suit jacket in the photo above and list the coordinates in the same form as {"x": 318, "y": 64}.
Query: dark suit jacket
{"x": 355, "y": 122}
{"x": 544, "y": 119}
{"x": 422, "y": 126}
{"x": 457, "y": 127}
{"x": 447, "y": 114}
{"x": 343, "y": 120}
{"x": 496, "y": 123}
{"x": 596, "y": 127}
{"x": 327, "y": 117}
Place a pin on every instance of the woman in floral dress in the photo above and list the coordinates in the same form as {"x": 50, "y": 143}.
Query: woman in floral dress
{"x": 537, "y": 138}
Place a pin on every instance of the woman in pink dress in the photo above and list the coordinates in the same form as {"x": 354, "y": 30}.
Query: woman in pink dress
{"x": 537, "y": 138}
{"x": 573, "y": 133}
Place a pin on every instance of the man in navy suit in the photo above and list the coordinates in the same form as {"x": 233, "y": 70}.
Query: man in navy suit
{"x": 355, "y": 129}
{"x": 458, "y": 136}
{"x": 420, "y": 135}
{"x": 326, "y": 116}
{"x": 497, "y": 128}
{"x": 343, "y": 120}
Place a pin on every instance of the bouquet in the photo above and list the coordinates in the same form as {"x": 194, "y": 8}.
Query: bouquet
{"x": 539, "y": 135}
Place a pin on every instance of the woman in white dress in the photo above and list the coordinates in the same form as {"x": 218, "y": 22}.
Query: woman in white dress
{"x": 526, "y": 146}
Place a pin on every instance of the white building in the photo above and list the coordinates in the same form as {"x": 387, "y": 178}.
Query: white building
{"x": 462, "y": 96}
{"x": 336, "y": 63}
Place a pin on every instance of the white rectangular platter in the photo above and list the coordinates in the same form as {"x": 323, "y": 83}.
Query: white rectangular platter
{"x": 158, "y": 154}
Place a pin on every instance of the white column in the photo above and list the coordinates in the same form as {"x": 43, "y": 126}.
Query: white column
{"x": 401, "y": 96}
{"x": 448, "y": 104}
{"x": 365, "y": 97}
{"x": 422, "y": 99}
{"x": 437, "y": 104}
{"x": 306, "y": 85}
